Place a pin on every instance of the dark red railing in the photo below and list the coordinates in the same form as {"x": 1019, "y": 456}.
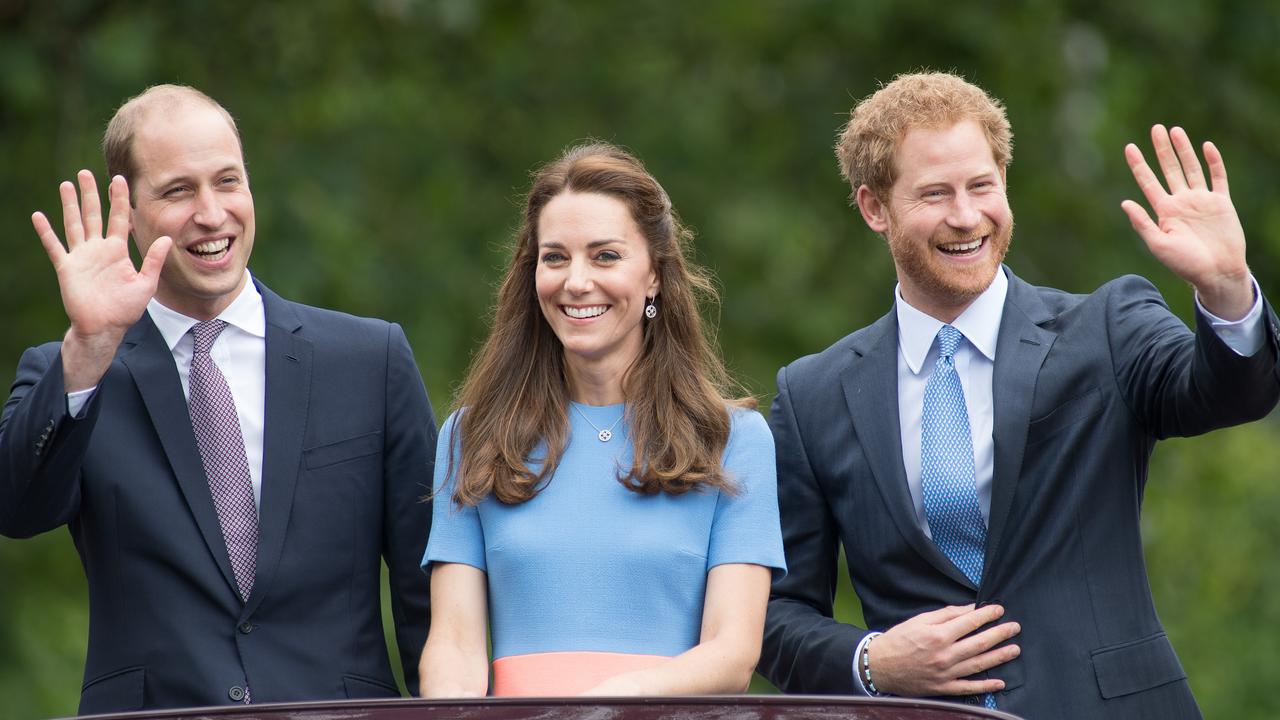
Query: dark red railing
{"x": 752, "y": 707}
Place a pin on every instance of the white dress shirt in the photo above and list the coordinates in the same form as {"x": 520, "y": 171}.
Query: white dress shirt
{"x": 240, "y": 352}
{"x": 975, "y": 364}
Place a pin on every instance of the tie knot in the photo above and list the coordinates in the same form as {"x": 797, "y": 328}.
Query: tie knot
{"x": 204, "y": 333}
{"x": 948, "y": 341}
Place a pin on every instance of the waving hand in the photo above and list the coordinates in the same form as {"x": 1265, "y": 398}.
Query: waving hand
{"x": 101, "y": 292}
{"x": 1197, "y": 233}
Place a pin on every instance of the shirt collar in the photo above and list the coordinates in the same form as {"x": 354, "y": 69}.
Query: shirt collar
{"x": 979, "y": 323}
{"x": 245, "y": 312}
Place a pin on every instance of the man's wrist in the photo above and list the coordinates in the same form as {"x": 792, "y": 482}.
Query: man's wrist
{"x": 867, "y": 680}
{"x": 1246, "y": 335}
{"x": 85, "y": 359}
{"x": 862, "y": 673}
{"x": 1229, "y": 301}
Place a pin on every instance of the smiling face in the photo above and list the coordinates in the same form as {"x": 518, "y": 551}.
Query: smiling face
{"x": 191, "y": 185}
{"x": 593, "y": 275}
{"x": 947, "y": 219}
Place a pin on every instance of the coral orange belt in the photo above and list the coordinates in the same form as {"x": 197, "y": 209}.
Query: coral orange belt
{"x": 563, "y": 673}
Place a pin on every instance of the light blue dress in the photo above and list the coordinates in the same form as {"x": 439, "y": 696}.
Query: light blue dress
{"x": 590, "y": 566}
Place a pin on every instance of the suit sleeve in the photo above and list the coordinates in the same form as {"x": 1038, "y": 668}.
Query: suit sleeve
{"x": 1181, "y": 383}
{"x": 805, "y": 650}
{"x": 41, "y": 447}
{"x": 408, "y": 466}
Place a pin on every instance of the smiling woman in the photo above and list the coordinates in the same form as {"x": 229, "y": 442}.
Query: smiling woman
{"x": 593, "y": 280}
{"x": 606, "y": 499}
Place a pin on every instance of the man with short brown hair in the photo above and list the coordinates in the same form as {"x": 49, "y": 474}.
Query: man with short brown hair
{"x": 232, "y": 466}
{"x": 983, "y": 461}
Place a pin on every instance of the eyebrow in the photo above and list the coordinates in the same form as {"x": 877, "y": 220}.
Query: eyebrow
{"x": 591, "y": 245}
{"x": 186, "y": 177}
{"x": 932, "y": 182}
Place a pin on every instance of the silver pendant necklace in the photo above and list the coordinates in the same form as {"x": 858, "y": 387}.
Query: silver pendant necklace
{"x": 606, "y": 434}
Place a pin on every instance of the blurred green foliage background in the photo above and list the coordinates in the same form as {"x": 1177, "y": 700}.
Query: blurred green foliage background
{"x": 390, "y": 141}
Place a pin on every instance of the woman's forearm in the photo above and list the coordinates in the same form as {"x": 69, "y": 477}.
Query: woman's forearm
{"x": 447, "y": 670}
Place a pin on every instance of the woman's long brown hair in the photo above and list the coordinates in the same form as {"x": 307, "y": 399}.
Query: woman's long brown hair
{"x": 516, "y": 394}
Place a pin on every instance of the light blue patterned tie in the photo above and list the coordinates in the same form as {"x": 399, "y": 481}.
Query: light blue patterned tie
{"x": 948, "y": 483}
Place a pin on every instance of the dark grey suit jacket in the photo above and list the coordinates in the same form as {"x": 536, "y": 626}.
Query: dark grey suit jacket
{"x": 348, "y": 449}
{"x": 1083, "y": 387}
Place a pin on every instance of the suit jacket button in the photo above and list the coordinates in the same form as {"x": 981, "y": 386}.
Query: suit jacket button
{"x": 236, "y": 693}
{"x": 246, "y": 627}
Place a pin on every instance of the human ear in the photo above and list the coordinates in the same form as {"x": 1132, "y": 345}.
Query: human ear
{"x": 874, "y": 212}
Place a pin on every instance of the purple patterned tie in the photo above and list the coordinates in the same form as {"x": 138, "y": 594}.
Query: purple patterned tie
{"x": 217, "y": 428}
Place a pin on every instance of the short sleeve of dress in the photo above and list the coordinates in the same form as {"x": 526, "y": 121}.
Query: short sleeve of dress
{"x": 456, "y": 534}
{"x": 746, "y": 528}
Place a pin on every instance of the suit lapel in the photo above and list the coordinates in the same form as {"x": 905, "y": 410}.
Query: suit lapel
{"x": 1020, "y": 353}
{"x": 288, "y": 385}
{"x": 870, "y": 385}
{"x": 150, "y": 362}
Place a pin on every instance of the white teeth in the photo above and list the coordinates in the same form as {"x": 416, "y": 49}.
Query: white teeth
{"x": 962, "y": 247}
{"x": 584, "y": 312}
{"x": 211, "y": 247}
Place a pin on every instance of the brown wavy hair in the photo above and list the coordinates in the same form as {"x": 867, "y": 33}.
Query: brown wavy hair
{"x": 516, "y": 394}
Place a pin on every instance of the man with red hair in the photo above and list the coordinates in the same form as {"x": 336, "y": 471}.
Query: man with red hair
{"x": 981, "y": 451}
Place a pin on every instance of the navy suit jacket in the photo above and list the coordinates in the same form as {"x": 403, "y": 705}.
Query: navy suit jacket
{"x": 348, "y": 450}
{"x": 1083, "y": 386}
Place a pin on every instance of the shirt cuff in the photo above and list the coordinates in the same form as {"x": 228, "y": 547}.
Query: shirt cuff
{"x": 1246, "y": 335}
{"x": 858, "y": 682}
{"x": 76, "y": 402}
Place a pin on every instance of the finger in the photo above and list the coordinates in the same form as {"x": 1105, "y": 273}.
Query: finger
{"x": 1187, "y": 157}
{"x": 1142, "y": 223}
{"x": 1217, "y": 168}
{"x": 969, "y": 622}
{"x": 154, "y": 261}
{"x": 71, "y": 215}
{"x": 1150, "y": 186}
{"x": 1168, "y": 159}
{"x": 90, "y": 204}
{"x": 118, "y": 218}
{"x": 972, "y": 687}
{"x": 975, "y": 645}
{"x": 944, "y": 614}
{"x": 48, "y": 238}
{"x": 987, "y": 660}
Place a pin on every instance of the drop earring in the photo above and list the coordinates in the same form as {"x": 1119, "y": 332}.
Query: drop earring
{"x": 650, "y": 310}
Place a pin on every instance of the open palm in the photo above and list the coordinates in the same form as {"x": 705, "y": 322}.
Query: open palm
{"x": 1197, "y": 234}
{"x": 101, "y": 291}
